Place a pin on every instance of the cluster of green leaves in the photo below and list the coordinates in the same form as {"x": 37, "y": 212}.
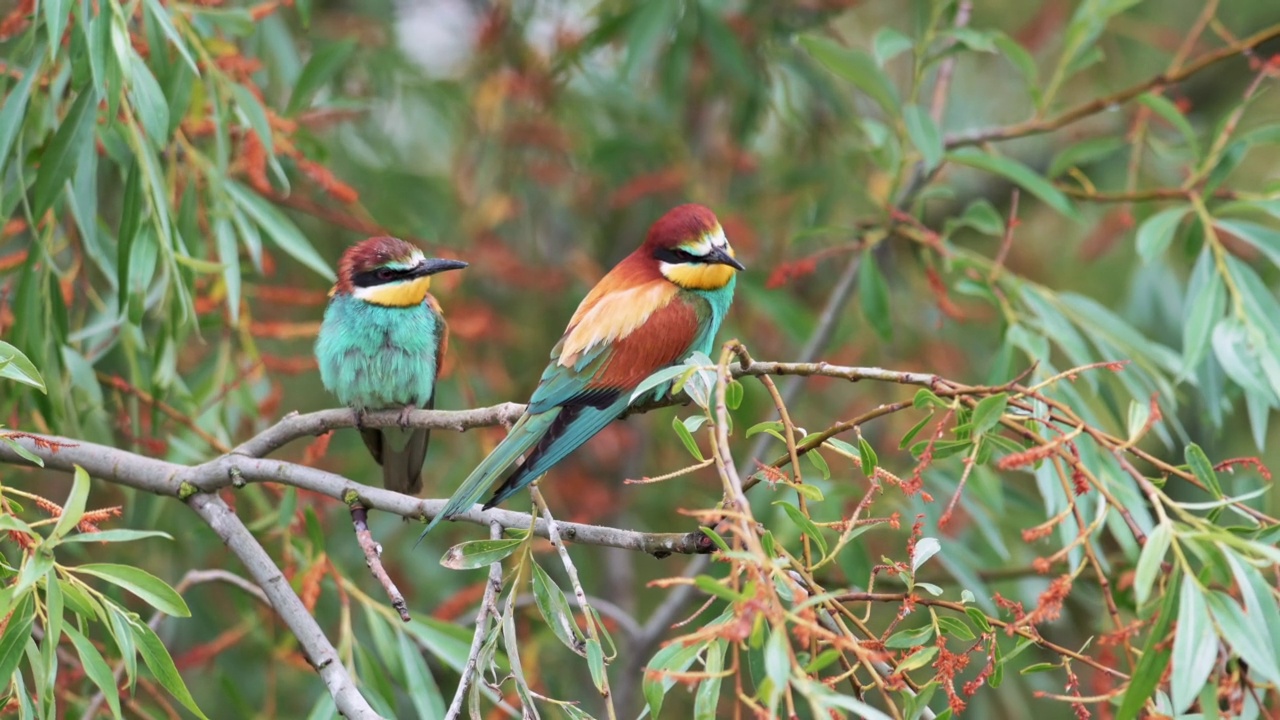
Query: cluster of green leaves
{"x": 45, "y": 600}
{"x": 145, "y": 207}
{"x": 526, "y": 577}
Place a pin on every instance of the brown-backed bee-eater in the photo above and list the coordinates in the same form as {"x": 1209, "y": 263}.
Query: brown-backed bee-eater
{"x": 661, "y": 303}
{"x": 380, "y": 347}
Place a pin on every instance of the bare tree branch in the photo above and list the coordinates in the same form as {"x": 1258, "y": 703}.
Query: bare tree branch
{"x": 373, "y": 558}
{"x": 317, "y": 648}
{"x": 166, "y": 478}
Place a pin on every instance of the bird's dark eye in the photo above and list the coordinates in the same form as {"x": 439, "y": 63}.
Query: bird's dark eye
{"x": 385, "y": 274}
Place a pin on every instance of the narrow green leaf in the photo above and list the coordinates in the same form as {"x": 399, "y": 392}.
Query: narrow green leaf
{"x": 229, "y": 256}
{"x": 733, "y": 393}
{"x": 478, "y": 553}
{"x": 421, "y": 687}
{"x": 888, "y": 44}
{"x": 925, "y": 548}
{"x": 918, "y": 659}
{"x": 149, "y": 101}
{"x": 873, "y": 290}
{"x": 279, "y": 228}
{"x": 1156, "y": 232}
{"x": 716, "y": 588}
{"x": 820, "y": 464}
{"x": 979, "y": 618}
{"x": 857, "y": 67}
{"x": 162, "y": 19}
{"x": 15, "y": 366}
{"x": 777, "y": 659}
{"x": 16, "y": 634}
{"x": 674, "y": 657}
{"x": 773, "y": 427}
{"x": 1203, "y": 469}
{"x": 1195, "y": 646}
{"x": 708, "y": 695}
{"x": 987, "y": 413}
{"x": 1155, "y": 659}
{"x": 57, "y": 161}
{"x": 1264, "y": 239}
{"x": 904, "y": 639}
{"x": 95, "y": 667}
{"x": 915, "y": 430}
{"x": 867, "y": 455}
{"x": 924, "y": 134}
{"x": 121, "y": 535}
{"x": 1085, "y": 152}
{"x": 805, "y": 524}
{"x": 1170, "y": 114}
{"x": 146, "y": 586}
{"x": 686, "y": 437}
{"x": 554, "y": 606}
{"x": 1018, "y": 173}
{"x": 254, "y": 115}
{"x": 955, "y": 628}
{"x": 22, "y": 452}
{"x": 157, "y": 658}
{"x": 1149, "y": 561}
{"x": 15, "y": 108}
{"x": 1243, "y": 636}
{"x": 595, "y": 663}
{"x": 130, "y": 221}
{"x": 73, "y": 509}
{"x": 1206, "y": 302}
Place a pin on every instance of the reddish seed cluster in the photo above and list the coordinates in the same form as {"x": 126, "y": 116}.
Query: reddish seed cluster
{"x": 1026, "y": 457}
{"x": 975, "y": 684}
{"x": 1014, "y": 608}
{"x": 1049, "y": 605}
{"x": 1253, "y": 462}
{"x": 17, "y": 20}
{"x": 1073, "y": 689}
{"x": 786, "y": 272}
{"x": 948, "y": 665}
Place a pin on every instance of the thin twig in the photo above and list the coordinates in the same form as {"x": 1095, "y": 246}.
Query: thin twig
{"x": 592, "y": 631}
{"x": 492, "y": 586}
{"x": 958, "y": 607}
{"x": 1038, "y": 126}
{"x": 373, "y": 558}
{"x": 943, "y": 84}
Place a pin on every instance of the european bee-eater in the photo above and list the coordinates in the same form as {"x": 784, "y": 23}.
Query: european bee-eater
{"x": 380, "y": 347}
{"x": 662, "y": 302}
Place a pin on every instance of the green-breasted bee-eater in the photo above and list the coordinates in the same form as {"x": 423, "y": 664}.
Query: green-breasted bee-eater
{"x": 380, "y": 347}
{"x": 662, "y": 302}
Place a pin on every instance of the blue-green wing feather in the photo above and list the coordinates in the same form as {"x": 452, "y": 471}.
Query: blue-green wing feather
{"x": 565, "y": 412}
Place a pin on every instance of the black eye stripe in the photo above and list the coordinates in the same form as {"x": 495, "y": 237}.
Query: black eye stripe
{"x": 677, "y": 256}
{"x": 378, "y": 276}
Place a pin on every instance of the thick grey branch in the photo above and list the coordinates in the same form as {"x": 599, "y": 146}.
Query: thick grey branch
{"x": 319, "y": 651}
{"x": 166, "y": 478}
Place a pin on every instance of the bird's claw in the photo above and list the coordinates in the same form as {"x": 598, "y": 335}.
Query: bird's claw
{"x": 360, "y": 417}
{"x": 403, "y": 419}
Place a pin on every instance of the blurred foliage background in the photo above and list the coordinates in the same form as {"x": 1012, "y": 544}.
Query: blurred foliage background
{"x": 178, "y": 178}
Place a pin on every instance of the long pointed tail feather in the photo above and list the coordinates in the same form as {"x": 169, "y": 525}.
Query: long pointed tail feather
{"x": 403, "y": 452}
{"x": 568, "y": 434}
{"x": 526, "y": 433}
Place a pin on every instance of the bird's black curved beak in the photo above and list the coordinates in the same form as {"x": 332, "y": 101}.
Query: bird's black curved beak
{"x": 431, "y": 266}
{"x": 718, "y": 256}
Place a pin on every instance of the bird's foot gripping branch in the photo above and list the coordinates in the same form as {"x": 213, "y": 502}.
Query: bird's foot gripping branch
{"x": 791, "y": 617}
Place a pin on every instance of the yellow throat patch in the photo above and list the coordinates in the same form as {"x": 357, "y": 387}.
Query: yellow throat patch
{"x": 699, "y": 277}
{"x": 403, "y": 294}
